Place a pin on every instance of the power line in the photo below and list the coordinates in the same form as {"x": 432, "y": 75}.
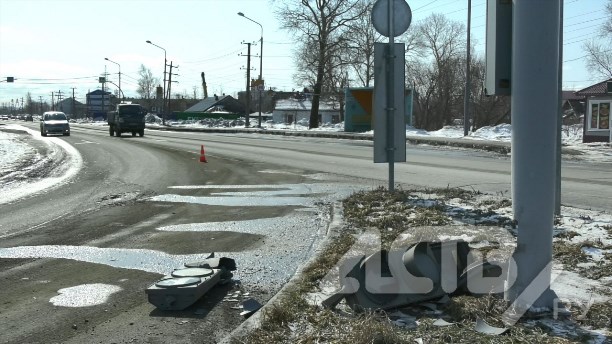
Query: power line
{"x": 429, "y": 3}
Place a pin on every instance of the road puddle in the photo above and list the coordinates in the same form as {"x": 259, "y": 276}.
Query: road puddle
{"x": 85, "y": 295}
{"x": 256, "y": 226}
{"x": 137, "y": 259}
{"x": 274, "y": 195}
{"x": 231, "y": 201}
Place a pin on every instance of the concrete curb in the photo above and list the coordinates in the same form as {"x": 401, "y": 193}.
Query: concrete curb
{"x": 256, "y": 319}
{"x": 490, "y": 146}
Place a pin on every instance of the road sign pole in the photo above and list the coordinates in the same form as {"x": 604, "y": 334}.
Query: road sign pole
{"x": 390, "y": 99}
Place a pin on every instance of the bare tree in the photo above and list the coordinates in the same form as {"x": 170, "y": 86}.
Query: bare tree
{"x": 607, "y": 25}
{"x": 487, "y": 110}
{"x": 361, "y": 37}
{"x": 30, "y": 106}
{"x": 321, "y": 24}
{"x": 599, "y": 57}
{"x": 436, "y": 57}
{"x": 146, "y": 83}
{"x": 599, "y": 51}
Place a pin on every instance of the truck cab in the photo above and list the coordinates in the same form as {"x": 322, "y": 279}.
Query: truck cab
{"x": 127, "y": 118}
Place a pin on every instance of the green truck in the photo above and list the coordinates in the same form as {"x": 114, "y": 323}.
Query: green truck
{"x": 127, "y": 118}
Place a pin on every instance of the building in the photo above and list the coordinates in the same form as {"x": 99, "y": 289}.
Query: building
{"x": 99, "y": 103}
{"x": 597, "y": 119}
{"x": 297, "y": 110}
{"x": 214, "y": 107}
{"x": 71, "y": 107}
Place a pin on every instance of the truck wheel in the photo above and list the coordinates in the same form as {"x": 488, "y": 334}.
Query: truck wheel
{"x": 118, "y": 133}
{"x": 111, "y": 131}
{"x": 133, "y": 133}
{"x": 141, "y": 133}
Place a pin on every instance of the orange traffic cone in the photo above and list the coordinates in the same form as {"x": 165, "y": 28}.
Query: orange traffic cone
{"x": 202, "y": 155}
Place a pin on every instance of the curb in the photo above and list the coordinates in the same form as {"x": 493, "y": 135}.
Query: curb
{"x": 255, "y": 320}
{"x": 490, "y": 146}
{"x": 493, "y": 146}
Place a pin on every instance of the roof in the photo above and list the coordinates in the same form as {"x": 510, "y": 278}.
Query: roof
{"x": 571, "y": 95}
{"x": 97, "y": 92}
{"x": 595, "y": 90}
{"x": 69, "y": 101}
{"x": 227, "y": 102}
{"x": 305, "y": 104}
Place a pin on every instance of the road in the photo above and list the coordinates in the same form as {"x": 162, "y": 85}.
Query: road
{"x": 140, "y": 207}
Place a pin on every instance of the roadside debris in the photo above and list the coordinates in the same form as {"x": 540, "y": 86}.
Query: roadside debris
{"x": 185, "y": 286}
{"x": 384, "y": 284}
{"x": 250, "y": 306}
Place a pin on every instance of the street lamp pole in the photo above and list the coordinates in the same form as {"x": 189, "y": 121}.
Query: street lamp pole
{"x": 260, "y": 63}
{"x": 164, "y": 88}
{"x": 121, "y": 91}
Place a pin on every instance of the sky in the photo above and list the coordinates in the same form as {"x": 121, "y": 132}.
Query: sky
{"x": 61, "y": 45}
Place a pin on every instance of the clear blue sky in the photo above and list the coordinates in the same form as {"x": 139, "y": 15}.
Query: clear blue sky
{"x": 53, "y": 45}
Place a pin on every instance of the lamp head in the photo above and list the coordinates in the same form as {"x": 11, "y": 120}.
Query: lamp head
{"x": 149, "y": 42}
{"x": 106, "y": 58}
{"x": 241, "y": 14}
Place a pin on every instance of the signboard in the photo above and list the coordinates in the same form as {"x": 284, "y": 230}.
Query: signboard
{"x": 380, "y": 101}
{"x": 358, "y": 110}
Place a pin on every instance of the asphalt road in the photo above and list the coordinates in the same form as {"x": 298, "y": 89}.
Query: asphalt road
{"x": 141, "y": 206}
{"x": 584, "y": 184}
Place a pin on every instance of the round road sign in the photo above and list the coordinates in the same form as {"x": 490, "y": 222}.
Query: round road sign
{"x": 402, "y": 16}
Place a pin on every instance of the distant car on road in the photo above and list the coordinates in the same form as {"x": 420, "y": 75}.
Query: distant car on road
{"x": 29, "y": 118}
{"x": 54, "y": 122}
{"x": 4, "y": 117}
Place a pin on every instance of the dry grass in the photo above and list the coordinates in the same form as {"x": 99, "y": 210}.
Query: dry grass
{"x": 293, "y": 320}
{"x": 569, "y": 254}
{"x": 597, "y": 317}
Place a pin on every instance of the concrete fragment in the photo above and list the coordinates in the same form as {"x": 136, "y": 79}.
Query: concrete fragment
{"x": 483, "y": 327}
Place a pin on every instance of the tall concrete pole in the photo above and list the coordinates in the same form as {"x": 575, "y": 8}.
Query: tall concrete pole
{"x": 535, "y": 98}
{"x": 466, "y": 100}
{"x": 559, "y": 122}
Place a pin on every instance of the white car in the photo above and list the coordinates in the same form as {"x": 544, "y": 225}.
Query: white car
{"x": 54, "y": 122}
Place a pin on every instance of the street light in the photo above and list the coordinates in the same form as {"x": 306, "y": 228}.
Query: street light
{"x": 164, "y": 89}
{"x": 260, "y": 61}
{"x": 109, "y": 60}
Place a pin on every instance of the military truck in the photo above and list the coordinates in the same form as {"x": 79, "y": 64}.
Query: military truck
{"x": 127, "y": 118}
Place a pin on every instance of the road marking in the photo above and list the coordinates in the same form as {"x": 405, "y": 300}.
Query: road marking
{"x": 86, "y": 142}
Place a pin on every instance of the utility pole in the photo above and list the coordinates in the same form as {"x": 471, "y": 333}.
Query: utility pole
{"x": 41, "y": 106}
{"x": 169, "y": 89}
{"x": 73, "y": 104}
{"x": 59, "y": 100}
{"x": 248, "y": 86}
{"x": 52, "y": 102}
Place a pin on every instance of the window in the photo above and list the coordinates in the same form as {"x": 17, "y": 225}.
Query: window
{"x": 599, "y": 115}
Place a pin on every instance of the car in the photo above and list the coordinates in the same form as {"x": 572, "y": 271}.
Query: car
{"x": 54, "y": 122}
{"x": 29, "y": 118}
{"x": 4, "y": 117}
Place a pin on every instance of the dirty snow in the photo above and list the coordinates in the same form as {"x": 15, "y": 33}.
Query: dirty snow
{"x": 85, "y": 295}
